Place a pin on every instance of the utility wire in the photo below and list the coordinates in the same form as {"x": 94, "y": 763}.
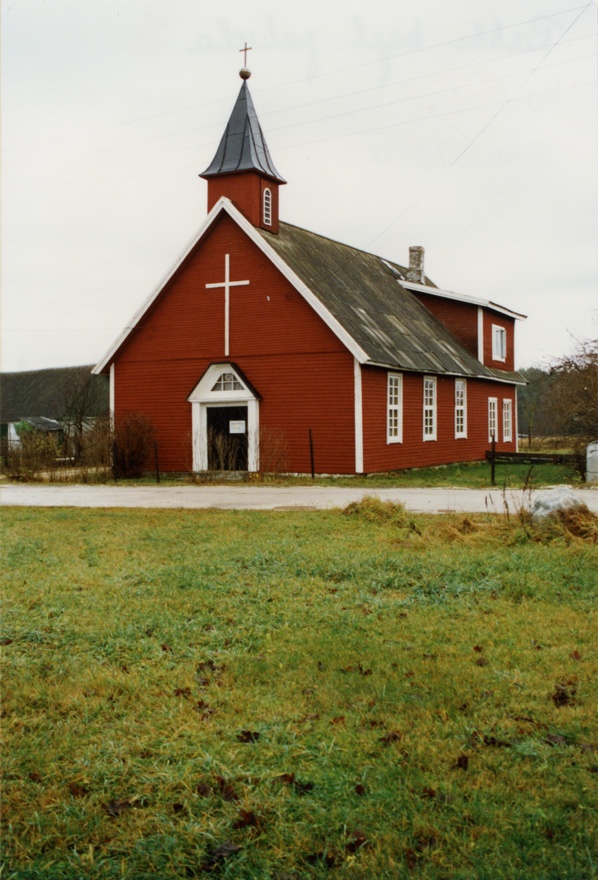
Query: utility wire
{"x": 422, "y": 95}
{"x": 440, "y": 116}
{"x": 383, "y": 127}
{"x": 377, "y": 88}
{"x": 484, "y": 128}
{"x": 369, "y": 63}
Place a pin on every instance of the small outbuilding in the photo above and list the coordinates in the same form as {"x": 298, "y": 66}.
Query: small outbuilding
{"x": 62, "y": 401}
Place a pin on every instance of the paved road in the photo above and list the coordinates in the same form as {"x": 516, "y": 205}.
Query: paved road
{"x": 269, "y": 497}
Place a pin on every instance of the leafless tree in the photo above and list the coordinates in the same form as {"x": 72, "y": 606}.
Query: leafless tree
{"x": 573, "y": 396}
{"x": 80, "y": 397}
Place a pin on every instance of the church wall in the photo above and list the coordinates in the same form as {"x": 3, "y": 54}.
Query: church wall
{"x": 460, "y": 318}
{"x": 379, "y": 455}
{"x": 272, "y": 329}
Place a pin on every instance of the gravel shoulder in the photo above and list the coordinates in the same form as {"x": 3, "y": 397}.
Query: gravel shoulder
{"x": 434, "y": 500}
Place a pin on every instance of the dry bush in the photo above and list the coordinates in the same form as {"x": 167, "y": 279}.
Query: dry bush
{"x": 225, "y": 450}
{"x": 96, "y": 451}
{"x": 132, "y": 443}
{"x": 35, "y": 455}
{"x": 580, "y": 522}
{"x": 274, "y": 451}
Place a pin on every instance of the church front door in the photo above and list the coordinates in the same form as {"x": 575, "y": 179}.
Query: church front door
{"x": 227, "y": 438}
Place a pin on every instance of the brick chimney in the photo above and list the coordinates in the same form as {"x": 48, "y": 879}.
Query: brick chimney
{"x": 415, "y": 272}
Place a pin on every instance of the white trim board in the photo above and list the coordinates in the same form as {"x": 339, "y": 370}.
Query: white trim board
{"x": 358, "y": 402}
{"x": 468, "y": 300}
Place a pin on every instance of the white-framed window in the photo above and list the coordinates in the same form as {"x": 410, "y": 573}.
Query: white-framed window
{"x": 394, "y": 418}
{"x": 460, "y": 408}
{"x": 492, "y": 419}
{"x": 507, "y": 420}
{"x": 429, "y": 408}
{"x": 267, "y": 207}
{"x": 499, "y": 343}
{"x": 227, "y": 382}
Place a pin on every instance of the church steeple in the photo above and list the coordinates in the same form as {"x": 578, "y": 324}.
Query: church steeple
{"x": 242, "y": 169}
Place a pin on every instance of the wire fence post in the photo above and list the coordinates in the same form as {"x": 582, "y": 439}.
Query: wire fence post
{"x": 156, "y": 462}
{"x": 311, "y": 454}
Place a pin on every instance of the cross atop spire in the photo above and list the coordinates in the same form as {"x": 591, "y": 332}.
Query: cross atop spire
{"x": 246, "y": 49}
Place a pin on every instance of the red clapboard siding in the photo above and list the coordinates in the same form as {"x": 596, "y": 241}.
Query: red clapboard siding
{"x": 414, "y": 451}
{"x": 458, "y": 317}
{"x": 272, "y": 329}
{"x": 246, "y": 193}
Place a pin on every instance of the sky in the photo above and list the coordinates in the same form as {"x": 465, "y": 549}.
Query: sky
{"x": 467, "y": 127}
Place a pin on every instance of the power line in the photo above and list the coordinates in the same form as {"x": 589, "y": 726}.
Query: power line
{"x": 484, "y": 127}
{"x": 440, "y": 115}
{"x": 442, "y": 72}
{"x": 395, "y": 124}
{"x": 370, "y": 63}
{"x": 377, "y": 88}
{"x": 424, "y": 95}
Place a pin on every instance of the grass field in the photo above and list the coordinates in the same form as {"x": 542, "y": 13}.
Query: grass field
{"x": 360, "y": 694}
{"x": 472, "y": 475}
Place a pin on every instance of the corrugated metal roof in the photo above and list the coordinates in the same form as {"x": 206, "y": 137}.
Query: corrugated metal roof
{"x": 243, "y": 146}
{"x": 363, "y": 292}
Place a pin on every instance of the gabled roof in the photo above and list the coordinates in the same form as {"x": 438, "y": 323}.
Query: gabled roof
{"x": 243, "y": 146}
{"x": 48, "y": 394}
{"x": 357, "y": 294}
{"x": 363, "y": 292}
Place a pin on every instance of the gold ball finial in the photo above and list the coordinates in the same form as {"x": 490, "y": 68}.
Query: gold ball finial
{"x": 244, "y": 73}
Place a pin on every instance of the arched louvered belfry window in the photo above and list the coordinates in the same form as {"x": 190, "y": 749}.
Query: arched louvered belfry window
{"x": 267, "y": 207}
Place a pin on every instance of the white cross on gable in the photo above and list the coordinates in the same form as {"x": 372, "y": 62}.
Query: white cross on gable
{"x": 227, "y": 284}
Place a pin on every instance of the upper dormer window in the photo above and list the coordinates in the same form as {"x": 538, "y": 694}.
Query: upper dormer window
{"x": 227, "y": 382}
{"x": 499, "y": 343}
{"x": 267, "y": 207}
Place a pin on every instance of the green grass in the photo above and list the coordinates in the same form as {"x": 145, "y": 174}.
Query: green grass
{"x": 470, "y": 475}
{"x": 297, "y": 695}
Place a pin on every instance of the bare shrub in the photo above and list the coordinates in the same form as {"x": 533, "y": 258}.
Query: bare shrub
{"x": 96, "y": 451}
{"x": 35, "y": 454}
{"x": 274, "y": 449}
{"x": 132, "y": 442}
{"x": 225, "y": 450}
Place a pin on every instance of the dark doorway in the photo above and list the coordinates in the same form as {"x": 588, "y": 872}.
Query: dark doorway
{"x": 227, "y": 438}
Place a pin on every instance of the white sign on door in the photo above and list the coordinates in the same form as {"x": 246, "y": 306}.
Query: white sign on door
{"x": 236, "y": 427}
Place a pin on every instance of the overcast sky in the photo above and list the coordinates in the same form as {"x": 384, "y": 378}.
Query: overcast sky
{"x": 468, "y": 127}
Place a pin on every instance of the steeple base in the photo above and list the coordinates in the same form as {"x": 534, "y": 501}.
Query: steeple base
{"x": 254, "y": 196}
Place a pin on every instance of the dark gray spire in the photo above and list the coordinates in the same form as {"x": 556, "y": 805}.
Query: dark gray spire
{"x": 243, "y": 146}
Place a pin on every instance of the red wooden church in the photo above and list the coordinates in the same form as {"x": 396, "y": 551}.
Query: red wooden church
{"x": 265, "y": 343}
